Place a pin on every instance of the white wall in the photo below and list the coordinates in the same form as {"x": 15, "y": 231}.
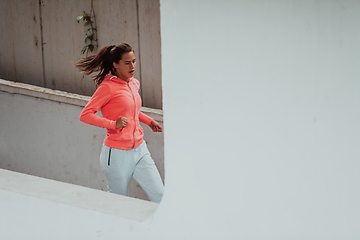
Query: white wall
{"x": 272, "y": 89}
{"x": 261, "y": 127}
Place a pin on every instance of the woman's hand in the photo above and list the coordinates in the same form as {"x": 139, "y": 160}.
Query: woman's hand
{"x": 121, "y": 122}
{"x": 155, "y": 126}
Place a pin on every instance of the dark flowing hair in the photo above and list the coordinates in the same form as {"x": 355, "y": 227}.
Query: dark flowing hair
{"x": 102, "y": 62}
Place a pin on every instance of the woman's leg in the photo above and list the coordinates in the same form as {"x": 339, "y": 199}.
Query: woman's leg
{"x": 147, "y": 175}
{"x": 118, "y": 167}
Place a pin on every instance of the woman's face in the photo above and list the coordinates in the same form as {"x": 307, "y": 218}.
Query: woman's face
{"x": 125, "y": 69}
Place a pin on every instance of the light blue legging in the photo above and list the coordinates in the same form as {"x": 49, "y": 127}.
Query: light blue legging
{"x": 120, "y": 165}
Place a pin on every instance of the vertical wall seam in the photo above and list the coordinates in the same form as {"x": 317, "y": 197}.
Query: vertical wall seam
{"x": 138, "y": 33}
{"x": 42, "y": 44}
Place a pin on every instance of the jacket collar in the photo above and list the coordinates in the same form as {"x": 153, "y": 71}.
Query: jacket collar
{"x": 115, "y": 79}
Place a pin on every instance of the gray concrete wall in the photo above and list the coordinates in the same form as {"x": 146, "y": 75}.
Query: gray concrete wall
{"x": 26, "y": 24}
{"x": 20, "y": 42}
{"x": 41, "y": 135}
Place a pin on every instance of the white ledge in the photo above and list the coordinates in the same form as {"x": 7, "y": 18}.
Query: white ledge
{"x": 74, "y": 195}
{"x": 56, "y": 95}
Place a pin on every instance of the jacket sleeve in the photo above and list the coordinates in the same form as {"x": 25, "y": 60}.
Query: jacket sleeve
{"x": 142, "y": 116}
{"x": 145, "y": 118}
{"x": 88, "y": 115}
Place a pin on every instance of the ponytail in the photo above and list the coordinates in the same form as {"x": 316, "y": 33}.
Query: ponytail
{"x": 102, "y": 62}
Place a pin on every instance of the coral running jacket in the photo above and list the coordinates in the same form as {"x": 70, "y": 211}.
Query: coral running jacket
{"x": 117, "y": 98}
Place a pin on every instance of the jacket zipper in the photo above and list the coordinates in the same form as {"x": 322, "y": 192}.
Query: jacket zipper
{"x": 134, "y": 112}
{"x": 109, "y": 156}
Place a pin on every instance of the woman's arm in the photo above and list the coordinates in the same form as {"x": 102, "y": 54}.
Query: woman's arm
{"x": 154, "y": 125}
{"x": 145, "y": 118}
{"x": 101, "y": 96}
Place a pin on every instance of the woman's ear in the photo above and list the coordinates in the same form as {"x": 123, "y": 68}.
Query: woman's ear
{"x": 115, "y": 65}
